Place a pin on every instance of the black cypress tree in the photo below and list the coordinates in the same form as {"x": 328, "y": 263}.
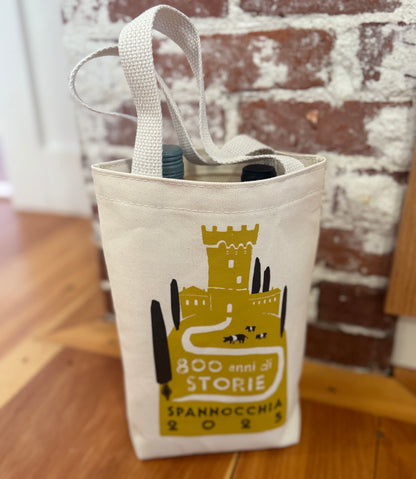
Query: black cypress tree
{"x": 175, "y": 303}
{"x": 283, "y": 313}
{"x": 266, "y": 280}
{"x": 161, "y": 348}
{"x": 255, "y": 287}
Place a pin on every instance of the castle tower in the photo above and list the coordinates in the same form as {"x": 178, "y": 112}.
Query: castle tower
{"x": 229, "y": 258}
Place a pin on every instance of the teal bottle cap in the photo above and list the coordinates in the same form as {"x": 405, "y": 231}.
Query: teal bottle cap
{"x": 170, "y": 151}
{"x": 172, "y": 162}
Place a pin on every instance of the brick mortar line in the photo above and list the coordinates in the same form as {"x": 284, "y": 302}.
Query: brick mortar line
{"x": 319, "y": 94}
{"x": 321, "y": 273}
{"x": 264, "y": 23}
{"x": 353, "y": 329}
{"x": 310, "y": 95}
{"x": 243, "y": 22}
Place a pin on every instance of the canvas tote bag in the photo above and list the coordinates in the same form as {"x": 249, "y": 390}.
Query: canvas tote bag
{"x": 210, "y": 279}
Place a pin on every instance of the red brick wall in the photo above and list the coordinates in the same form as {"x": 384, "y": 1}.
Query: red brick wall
{"x": 335, "y": 77}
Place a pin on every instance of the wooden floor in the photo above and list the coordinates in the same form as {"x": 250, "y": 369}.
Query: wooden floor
{"x": 61, "y": 389}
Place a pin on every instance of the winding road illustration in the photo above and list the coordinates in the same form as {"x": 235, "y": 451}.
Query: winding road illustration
{"x": 261, "y": 350}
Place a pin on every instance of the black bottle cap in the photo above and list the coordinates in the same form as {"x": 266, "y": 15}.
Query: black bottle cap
{"x": 257, "y": 171}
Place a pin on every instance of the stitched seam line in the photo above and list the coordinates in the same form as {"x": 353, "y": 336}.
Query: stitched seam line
{"x": 131, "y": 203}
{"x": 209, "y": 185}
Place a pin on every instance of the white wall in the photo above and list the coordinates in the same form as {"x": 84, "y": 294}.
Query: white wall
{"x": 404, "y": 351}
{"x": 37, "y": 121}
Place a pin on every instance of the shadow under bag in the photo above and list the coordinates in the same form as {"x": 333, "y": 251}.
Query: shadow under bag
{"x": 210, "y": 279}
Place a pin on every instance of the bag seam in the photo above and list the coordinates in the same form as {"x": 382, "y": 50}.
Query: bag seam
{"x": 256, "y": 210}
{"x": 206, "y": 185}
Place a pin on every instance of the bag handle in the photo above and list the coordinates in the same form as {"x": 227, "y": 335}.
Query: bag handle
{"x": 102, "y": 52}
{"x": 136, "y": 54}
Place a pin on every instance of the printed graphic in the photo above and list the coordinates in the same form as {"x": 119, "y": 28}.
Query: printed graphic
{"x": 222, "y": 368}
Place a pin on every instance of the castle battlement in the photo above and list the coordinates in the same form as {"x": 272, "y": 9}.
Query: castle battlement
{"x": 265, "y": 297}
{"x": 231, "y": 237}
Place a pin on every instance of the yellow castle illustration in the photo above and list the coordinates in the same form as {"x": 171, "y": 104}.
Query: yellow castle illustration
{"x": 229, "y": 267}
{"x": 222, "y": 367}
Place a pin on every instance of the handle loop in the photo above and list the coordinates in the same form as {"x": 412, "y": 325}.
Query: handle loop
{"x": 136, "y": 54}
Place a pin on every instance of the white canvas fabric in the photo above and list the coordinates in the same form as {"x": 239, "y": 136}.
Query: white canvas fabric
{"x": 210, "y": 278}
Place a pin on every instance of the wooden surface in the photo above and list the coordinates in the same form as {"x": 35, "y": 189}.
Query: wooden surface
{"x": 336, "y": 443}
{"x": 61, "y": 386}
{"x": 397, "y": 449}
{"x": 407, "y": 378}
{"x": 401, "y": 295}
{"x": 75, "y": 427}
{"x": 374, "y": 394}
